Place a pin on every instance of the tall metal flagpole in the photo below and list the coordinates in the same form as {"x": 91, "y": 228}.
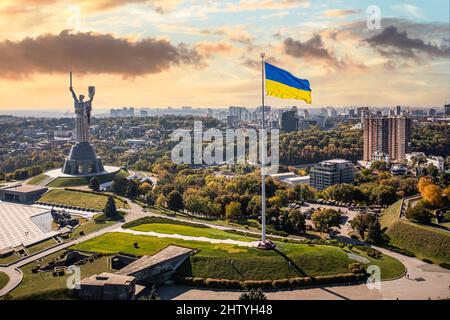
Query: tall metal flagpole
{"x": 263, "y": 158}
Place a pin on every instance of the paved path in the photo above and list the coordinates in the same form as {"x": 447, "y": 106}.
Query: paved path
{"x": 188, "y": 238}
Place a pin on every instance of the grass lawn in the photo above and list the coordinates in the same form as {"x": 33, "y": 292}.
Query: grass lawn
{"x": 190, "y": 231}
{"x": 37, "y": 179}
{"x": 3, "y": 279}
{"x": 42, "y": 282}
{"x": 235, "y": 262}
{"x": 9, "y": 259}
{"x": 424, "y": 241}
{"x": 81, "y": 181}
{"x": 41, "y": 245}
{"x": 79, "y": 199}
{"x": 90, "y": 227}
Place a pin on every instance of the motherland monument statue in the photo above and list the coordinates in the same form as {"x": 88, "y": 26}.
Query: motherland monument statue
{"x": 82, "y": 159}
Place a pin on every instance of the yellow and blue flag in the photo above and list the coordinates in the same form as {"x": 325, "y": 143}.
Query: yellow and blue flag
{"x": 282, "y": 84}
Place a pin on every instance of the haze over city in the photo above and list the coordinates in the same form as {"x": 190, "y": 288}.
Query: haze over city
{"x": 205, "y": 54}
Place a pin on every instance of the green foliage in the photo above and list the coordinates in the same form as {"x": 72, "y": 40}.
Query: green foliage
{"x": 419, "y": 213}
{"x": 94, "y": 184}
{"x": 175, "y": 201}
{"x": 110, "y": 208}
{"x": 150, "y": 220}
{"x": 233, "y": 210}
{"x": 325, "y": 219}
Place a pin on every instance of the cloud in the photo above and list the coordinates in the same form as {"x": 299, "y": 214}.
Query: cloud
{"x": 161, "y": 6}
{"x": 336, "y": 13}
{"x": 91, "y": 53}
{"x": 409, "y": 9}
{"x": 208, "y": 49}
{"x": 236, "y": 33}
{"x": 314, "y": 50}
{"x": 311, "y": 49}
{"x": 251, "y": 5}
{"x": 392, "y": 43}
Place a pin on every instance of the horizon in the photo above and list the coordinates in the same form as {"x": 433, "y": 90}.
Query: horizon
{"x": 187, "y": 53}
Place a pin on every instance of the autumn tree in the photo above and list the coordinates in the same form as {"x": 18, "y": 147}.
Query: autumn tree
{"x": 325, "y": 219}
{"x": 432, "y": 194}
{"x": 233, "y": 210}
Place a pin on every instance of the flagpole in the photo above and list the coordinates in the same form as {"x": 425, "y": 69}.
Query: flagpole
{"x": 263, "y": 158}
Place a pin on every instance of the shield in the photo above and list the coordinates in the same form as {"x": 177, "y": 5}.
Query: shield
{"x": 91, "y": 92}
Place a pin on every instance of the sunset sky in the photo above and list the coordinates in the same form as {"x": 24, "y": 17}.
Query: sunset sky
{"x": 199, "y": 53}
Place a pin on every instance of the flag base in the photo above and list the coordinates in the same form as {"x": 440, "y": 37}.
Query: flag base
{"x": 265, "y": 245}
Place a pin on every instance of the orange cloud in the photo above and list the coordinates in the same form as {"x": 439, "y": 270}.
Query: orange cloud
{"x": 336, "y": 13}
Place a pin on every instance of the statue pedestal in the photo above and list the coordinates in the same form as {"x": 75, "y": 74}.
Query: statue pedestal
{"x": 82, "y": 160}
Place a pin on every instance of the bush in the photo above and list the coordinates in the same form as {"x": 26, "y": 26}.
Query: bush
{"x": 445, "y": 265}
{"x": 356, "y": 268}
{"x": 300, "y": 282}
{"x": 278, "y": 284}
{"x": 427, "y": 261}
{"x": 255, "y": 284}
{"x": 222, "y": 283}
{"x": 198, "y": 282}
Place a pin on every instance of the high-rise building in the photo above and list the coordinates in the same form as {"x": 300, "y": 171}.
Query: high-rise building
{"x": 331, "y": 172}
{"x": 447, "y": 110}
{"x": 289, "y": 121}
{"x": 388, "y": 135}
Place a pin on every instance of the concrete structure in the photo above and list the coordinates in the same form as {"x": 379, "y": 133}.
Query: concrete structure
{"x": 290, "y": 178}
{"x": 388, "y": 135}
{"x": 159, "y": 267}
{"x": 331, "y": 172}
{"x": 108, "y": 286}
{"x": 23, "y": 225}
{"x": 22, "y": 193}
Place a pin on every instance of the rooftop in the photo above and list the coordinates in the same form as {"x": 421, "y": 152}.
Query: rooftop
{"x": 108, "y": 279}
{"x": 145, "y": 262}
{"x": 25, "y": 188}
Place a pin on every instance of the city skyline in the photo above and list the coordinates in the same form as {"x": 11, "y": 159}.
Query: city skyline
{"x": 178, "y": 53}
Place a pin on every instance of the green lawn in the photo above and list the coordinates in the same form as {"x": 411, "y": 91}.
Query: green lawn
{"x": 37, "y": 179}
{"x": 3, "y": 279}
{"x": 423, "y": 241}
{"x": 9, "y": 259}
{"x": 41, "y": 246}
{"x": 79, "y": 199}
{"x": 235, "y": 262}
{"x": 190, "y": 231}
{"x": 44, "y": 282}
{"x": 81, "y": 181}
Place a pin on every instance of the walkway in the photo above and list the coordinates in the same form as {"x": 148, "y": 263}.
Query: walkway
{"x": 187, "y": 238}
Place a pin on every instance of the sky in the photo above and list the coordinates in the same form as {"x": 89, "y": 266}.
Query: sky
{"x": 159, "y": 53}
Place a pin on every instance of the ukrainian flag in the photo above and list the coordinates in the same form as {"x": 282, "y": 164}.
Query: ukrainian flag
{"x": 282, "y": 84}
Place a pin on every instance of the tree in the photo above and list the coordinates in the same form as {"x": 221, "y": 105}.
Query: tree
{"x": 380, "y": 166}
{"x": 132, "y": 190}
{"x": 110, "y": 209}
{"x": 161, "y": 200}
{"x": 175, "y": 201}
{"x": 433, "y": 195}
{"x": 374, "y": 232}
{"x": 119, "y": 186}
{"x": 144, "y": 188}
{"x": 94, "y": 184}
{"x": 362, "y": 222}
{"x": 446, "y": 192}
{"x": 253, "y": 295}
{"x": 419, "y": 214}
{"x": 150, "y": 199}
{"x": 325, "y": 219}
{"x": 383, "y": 195}
{"x": 423, "y": 182}
{"x": 233, "y": 210}
{"x": 297, "y": 221}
